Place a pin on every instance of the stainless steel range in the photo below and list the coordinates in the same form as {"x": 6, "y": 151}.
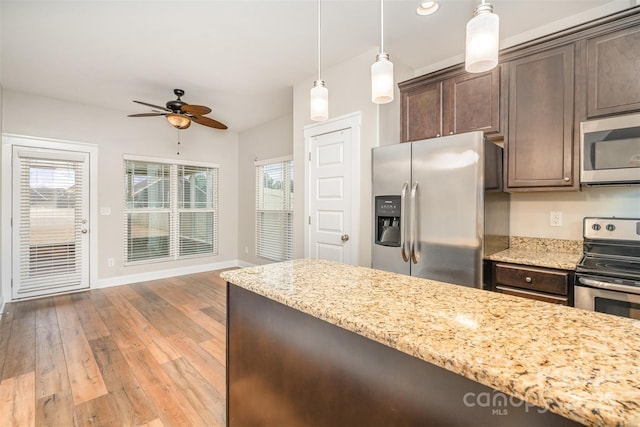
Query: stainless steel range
{"x": 608, "y": 275}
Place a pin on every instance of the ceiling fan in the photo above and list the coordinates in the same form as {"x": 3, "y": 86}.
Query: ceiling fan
{"x": 180, "y": 114}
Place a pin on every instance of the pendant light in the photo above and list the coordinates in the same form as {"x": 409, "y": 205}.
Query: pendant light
{"x": 382, "y": 70}
{"x": 482, "y": 39}
{"x": 319, "y": 104}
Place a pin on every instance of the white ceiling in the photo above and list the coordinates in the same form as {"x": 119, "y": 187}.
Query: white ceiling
{"x": 239, "y": 57}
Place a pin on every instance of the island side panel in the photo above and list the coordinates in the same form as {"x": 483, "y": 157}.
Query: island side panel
{"x": 285, "y": 367}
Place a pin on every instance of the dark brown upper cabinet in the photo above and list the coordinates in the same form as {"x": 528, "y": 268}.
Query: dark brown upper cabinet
{"x": 539, "y": 150}
{"x": 450, "y": 103}
{"x": 613, "y": 73}
{"x": 421, "y": 110}
{"x": 535, "y": 99}
{"x": 472, "y": 102}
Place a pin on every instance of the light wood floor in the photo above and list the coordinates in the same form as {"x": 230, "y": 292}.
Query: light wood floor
{"x": 148, "y": 354}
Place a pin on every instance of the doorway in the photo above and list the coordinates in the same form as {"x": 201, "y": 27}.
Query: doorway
{"x": 332, "y": 185}
{"x": 52, "y": 243}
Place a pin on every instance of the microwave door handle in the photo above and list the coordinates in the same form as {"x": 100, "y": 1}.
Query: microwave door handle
{"x": 415, "y": 255}
{"x": 403, "y": 222}
{"x": 610, "y": 286}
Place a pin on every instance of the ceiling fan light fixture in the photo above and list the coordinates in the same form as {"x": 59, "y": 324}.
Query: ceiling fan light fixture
{"x": 483, "y": 36}
{"x": 427, "y": 8}
{"x": 179, "y": 121}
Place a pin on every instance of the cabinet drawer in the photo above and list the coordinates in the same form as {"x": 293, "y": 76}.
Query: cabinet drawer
{"x": 533, "y": 295}
{"x": 535, "y": 279}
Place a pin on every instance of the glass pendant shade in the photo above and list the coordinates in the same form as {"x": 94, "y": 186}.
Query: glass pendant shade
{"x": 319, "y": 101}
{"x": 482, "y": 40}
{"x": 382, "y": 79}
{"x": 178, "y": 121}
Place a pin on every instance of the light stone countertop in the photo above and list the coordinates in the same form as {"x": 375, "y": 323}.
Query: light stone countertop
{"x": 582, "y": 365}
{"x": 540, "y": 252}
{"x": 537, "y": 258}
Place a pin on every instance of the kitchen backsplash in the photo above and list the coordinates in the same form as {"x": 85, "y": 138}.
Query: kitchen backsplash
{"x": 544, "y": 244}
{"x": 530, "y": 212}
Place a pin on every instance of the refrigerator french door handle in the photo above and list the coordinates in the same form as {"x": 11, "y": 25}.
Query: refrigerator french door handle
{"x": 403, "y": 222}
{"x": 415, "y": 256}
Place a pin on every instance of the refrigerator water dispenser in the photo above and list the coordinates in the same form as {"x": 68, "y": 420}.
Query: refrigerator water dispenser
{"x": 387, "y": 214}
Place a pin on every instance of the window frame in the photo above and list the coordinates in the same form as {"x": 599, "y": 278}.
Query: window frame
{"x": 286, "y": 211}
{"x": 174, "y": 210}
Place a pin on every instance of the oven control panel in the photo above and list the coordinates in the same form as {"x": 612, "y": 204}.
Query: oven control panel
{"x": 612, "y": 228}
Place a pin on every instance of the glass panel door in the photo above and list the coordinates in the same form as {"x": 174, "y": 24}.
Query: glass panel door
{"x": 50, "y": 221}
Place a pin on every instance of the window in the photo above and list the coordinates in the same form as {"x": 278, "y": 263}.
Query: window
{"x": 171, "y": 210}
{"x": 274, "y": 209}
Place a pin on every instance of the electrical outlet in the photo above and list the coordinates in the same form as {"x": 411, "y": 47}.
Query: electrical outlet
{"x": 555, "y": 218}
{"x": 110, "y": 262}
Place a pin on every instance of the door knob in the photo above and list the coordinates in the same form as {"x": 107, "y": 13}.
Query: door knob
{"x": 345, "y": 237}
{"x": 84, "y": 231}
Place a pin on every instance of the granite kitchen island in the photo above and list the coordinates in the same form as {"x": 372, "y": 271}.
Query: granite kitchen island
{"x": 313, "y": 342}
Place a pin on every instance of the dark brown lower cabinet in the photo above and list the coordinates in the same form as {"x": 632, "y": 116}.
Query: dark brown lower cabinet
{"x": 287, "y": 368}
{"x": 542, "y": 284}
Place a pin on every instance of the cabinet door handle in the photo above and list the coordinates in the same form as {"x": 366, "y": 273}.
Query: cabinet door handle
{"x": 528, "y": 279}
{"x": 566, "y": 179}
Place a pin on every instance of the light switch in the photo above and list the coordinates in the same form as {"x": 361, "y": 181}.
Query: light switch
{"x": 105, "y": 211}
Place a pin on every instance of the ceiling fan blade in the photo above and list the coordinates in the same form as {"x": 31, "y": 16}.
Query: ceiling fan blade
{"x": 147, "y": 114}
{"x": 152, "y": 106}
{"x": 195, "y": 110}
{"x": 206, "y": 121}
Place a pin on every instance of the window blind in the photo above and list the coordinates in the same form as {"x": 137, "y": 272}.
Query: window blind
{"x": 197, "y": 210}
{"x": 274, "y": 210}
{"x": 50, "y": 252}
{"x": 170, "y": 211}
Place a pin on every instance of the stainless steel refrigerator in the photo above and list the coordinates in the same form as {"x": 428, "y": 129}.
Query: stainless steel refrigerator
{"x": 439, "y": 207}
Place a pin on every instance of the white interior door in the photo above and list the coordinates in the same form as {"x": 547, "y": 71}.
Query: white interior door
{"x": 50, "y": 225}
{"x": 330, "y": 196}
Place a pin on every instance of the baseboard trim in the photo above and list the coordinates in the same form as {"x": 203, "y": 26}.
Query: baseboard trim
{"x": 244, "y": 264}
{"x": 163, "y": 274}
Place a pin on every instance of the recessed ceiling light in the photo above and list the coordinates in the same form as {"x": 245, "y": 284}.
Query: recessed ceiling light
{"x": 427, "y": 8}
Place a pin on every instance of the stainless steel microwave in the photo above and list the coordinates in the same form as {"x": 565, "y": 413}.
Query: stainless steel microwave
{"x": 610, "y": 151}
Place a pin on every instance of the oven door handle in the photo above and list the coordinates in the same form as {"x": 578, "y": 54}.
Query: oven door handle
{"x": 610, "y": 286}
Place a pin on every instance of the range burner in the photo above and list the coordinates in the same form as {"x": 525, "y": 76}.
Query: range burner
{"x": 611, "y": 248}
{"x": 608, "y": 276}
{"x": 610, "y": 267}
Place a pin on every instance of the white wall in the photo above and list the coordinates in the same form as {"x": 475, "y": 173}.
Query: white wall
{"x": 349, "y": 87}
{"x": 530, "y": 211}
{"x": 268, "y": 141}
{"x": 116, "y": 135}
